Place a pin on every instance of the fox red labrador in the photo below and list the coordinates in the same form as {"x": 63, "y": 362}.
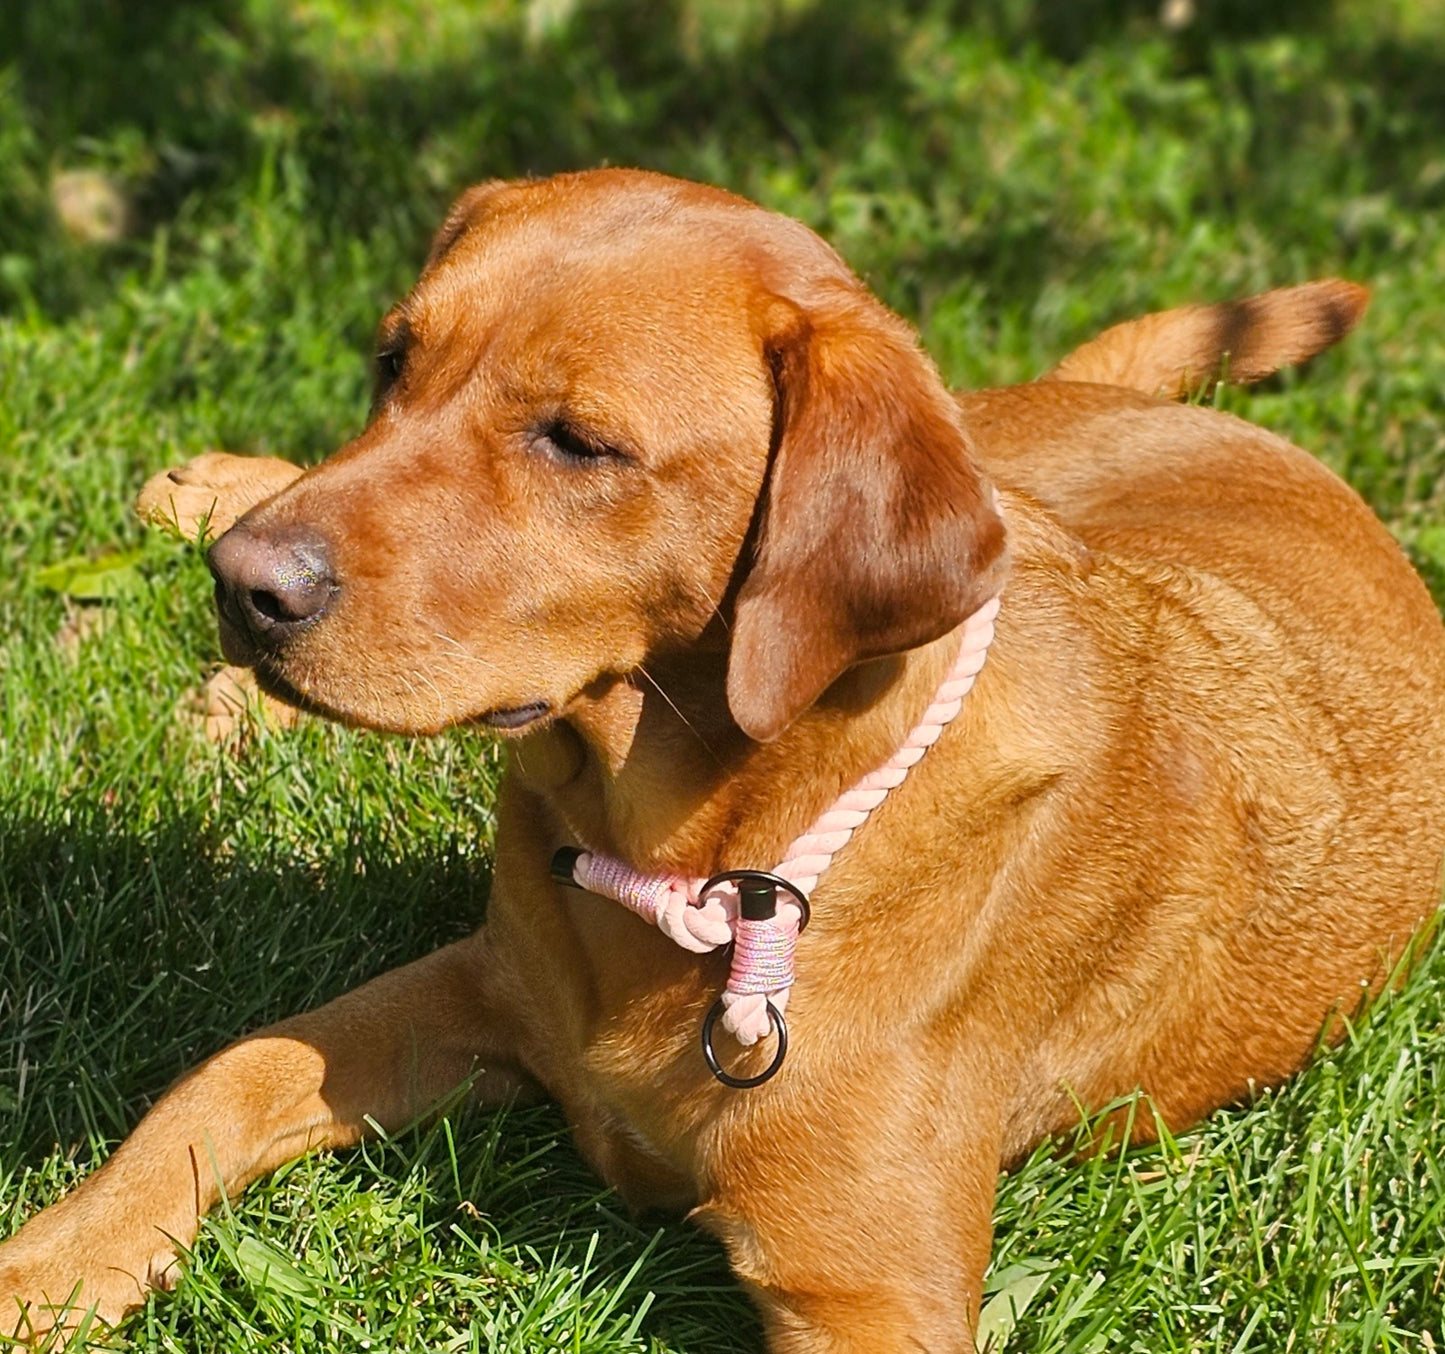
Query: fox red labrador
{"x": 1051, "y": 743}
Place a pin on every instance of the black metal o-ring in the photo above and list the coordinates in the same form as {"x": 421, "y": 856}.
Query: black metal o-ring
{"x": 780, "y": 1028}
{"x": 766, "y": 877}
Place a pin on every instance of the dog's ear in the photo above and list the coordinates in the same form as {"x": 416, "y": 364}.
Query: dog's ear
{"x": 877, "y": 531}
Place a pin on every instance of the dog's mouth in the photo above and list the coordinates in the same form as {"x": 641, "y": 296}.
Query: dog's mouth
{"x": 235, "y": 643}
{"x": 238, "y": 649}
{"x": 503, "y": 719}
{"x": 274, "y": 685}
{"x": 510, "y": 718}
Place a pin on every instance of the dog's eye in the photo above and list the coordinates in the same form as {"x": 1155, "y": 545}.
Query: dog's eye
{"x": 389, "y": 363}
{"x": 567, "y": 442}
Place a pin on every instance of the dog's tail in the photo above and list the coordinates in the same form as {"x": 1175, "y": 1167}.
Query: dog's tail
{"x": 1176, "y": 353}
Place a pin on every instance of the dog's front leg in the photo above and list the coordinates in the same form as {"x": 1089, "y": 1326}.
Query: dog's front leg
{"x": 853, "y": 1235}
{"x": 384, "y": 1052}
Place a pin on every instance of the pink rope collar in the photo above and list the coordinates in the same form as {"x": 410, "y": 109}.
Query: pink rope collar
{"x": 763, "y": 951}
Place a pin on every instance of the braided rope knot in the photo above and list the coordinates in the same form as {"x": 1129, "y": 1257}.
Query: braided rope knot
{"x": 762, "y": 972}
{"x": 762, "y": 967}
{"x": 669, "y": 902}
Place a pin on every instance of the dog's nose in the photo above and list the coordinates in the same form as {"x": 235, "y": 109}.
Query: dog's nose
{"x": 272, "y": 586}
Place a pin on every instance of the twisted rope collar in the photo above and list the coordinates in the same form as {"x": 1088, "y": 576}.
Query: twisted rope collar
{"x": 701, "y": 918}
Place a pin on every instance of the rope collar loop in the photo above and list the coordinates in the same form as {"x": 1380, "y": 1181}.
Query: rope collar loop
{"x": 702, "y": 915}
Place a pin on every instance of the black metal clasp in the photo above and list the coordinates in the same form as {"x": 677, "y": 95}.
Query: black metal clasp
{"x": 563, "y": 863}
{"x": 763, "y": 886}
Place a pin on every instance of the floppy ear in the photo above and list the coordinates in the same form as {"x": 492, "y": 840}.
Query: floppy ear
{"x": 877, "y": 531}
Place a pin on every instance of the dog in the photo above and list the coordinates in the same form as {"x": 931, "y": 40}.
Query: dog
{"x": 1139, "y": 711}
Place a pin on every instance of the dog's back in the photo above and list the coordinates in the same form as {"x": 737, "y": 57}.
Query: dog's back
{"x": 1245, "y": 587}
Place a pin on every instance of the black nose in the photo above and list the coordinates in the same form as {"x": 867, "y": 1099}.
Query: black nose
{"x": 274, "y": 585}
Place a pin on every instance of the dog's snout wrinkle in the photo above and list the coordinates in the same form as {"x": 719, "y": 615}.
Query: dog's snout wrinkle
{"x": 272, "y": 585}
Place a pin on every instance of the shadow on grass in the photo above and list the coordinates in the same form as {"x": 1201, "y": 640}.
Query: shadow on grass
{"x": 190, "y": 96}
{"x": 126, "y": 957}
{"x": 515, "y": 1170}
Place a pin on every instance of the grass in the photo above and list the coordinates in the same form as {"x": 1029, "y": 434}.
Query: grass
{"x": 1012, "y": 175}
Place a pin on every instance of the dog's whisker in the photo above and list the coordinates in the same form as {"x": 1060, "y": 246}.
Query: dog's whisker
{"x": 460, "y": 650}
{"x": 715, "y": 609}
{"x": 687, "y": 723}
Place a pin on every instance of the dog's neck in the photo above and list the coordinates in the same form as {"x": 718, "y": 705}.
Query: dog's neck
{"x": 654, "y": 771}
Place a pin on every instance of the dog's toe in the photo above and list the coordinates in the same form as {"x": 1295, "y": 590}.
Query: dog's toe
{"x": 202, "y": 498}
{"x": 229, "y": 705}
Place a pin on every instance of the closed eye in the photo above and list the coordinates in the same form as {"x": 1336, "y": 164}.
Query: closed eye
{"x": 393, "y": 341}
{"x": 387, "y": 366}
{"x": 573, "y": 445}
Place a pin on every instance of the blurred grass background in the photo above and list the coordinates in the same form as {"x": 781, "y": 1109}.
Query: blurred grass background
{"x": 205, "y": 207}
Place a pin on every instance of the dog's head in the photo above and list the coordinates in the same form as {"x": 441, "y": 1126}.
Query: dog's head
{"x": 618, "y": 416}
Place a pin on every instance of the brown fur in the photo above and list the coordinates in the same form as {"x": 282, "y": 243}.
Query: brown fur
{"x": 1184, "y": 351}
{"x": 1194, "y": 805}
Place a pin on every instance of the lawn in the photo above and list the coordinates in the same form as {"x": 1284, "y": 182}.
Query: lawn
{"x": 1012, "y": 175}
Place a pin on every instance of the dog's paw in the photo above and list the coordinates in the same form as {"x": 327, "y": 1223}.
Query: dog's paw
{"x": 207, "y": 494}
{"x": 70, "y": 1296}
{"x": 32, "y": 1316}
{"x": 230, "y": 704}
